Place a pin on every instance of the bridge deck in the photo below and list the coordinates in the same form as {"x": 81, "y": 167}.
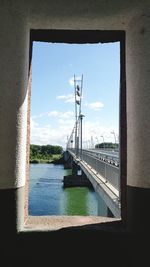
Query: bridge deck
{"x": 102, "y": 186}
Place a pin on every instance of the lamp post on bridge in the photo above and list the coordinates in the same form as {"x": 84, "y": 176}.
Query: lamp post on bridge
{"x": 103, "y": 141}
{"x": 81, "y": 118}
{"x": 97, "y": 141}
{"x": 114, "y": 136}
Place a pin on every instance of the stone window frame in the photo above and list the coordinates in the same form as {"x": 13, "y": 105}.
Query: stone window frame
{"x": 83, "y": 37}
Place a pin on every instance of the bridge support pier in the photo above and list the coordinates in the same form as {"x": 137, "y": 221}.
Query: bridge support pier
{"x": 103, "y": 209}
{"x": 76, "y": 170}
{"x": 77, "y": 178}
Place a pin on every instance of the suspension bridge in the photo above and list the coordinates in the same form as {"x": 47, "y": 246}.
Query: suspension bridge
{"x": 101, "y": 166}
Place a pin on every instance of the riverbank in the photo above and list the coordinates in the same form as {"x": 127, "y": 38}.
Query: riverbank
{"x": 55, "y": 159}
{"x": 46, "y": 154}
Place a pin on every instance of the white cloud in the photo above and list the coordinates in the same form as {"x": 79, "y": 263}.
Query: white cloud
{"x": 61, "y": 115}
{"x": 66, "y": 122}
{"x": 61, "y": 97}
{"x": 53, "y": 113}
{"x": 95, "y": 105}
{"x": 33, "y": 124}
{"x": 43, "y": 135}
{"x": 39, "y": 116}
{"x": 70, "y": 99}
{"x": 67, "y": 98}
{"x": 96, "y": 130}
{"x": 47, "y": 134}
{"x": 71, "y": 80}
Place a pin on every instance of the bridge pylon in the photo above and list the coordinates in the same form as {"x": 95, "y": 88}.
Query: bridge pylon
{"x": 75, "y": 139}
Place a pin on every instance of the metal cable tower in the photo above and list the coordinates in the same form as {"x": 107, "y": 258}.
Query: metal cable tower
{"x": 75, "y": 139}
{"x": 78, "y": 85}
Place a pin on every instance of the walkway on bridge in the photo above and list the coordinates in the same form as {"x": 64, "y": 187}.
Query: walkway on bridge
{"x": 103, "y": 175}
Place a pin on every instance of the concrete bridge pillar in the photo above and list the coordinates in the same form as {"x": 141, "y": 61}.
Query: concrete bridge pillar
{"x": 14, "y": 47}
{"x": 75, "y": 168}
{"x": 138, "y": 123}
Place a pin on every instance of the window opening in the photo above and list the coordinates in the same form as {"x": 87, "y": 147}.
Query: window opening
{"x": 57, "y": 79}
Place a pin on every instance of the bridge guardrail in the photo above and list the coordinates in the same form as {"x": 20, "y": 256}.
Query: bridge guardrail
{"x": 102, "y": 166}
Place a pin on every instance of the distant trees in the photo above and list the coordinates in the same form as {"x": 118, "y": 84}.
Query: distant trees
{"x": 44, "y": 152}
{"x": 107, "y": 145}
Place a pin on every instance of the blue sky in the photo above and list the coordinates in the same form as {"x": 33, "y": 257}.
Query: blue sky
{"x": 52, "y": 96}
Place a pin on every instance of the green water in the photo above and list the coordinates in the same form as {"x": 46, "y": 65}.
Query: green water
{"x": 47, "y": 196}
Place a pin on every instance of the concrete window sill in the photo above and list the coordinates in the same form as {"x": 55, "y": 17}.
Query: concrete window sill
{"x": 54, "y": 223}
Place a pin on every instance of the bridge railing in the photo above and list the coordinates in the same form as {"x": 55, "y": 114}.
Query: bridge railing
{"x": 102, "y": 166}
{"x": 107, "y": 156}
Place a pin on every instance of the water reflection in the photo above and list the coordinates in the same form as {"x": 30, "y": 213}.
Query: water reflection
{"x": 76, "y": 201}
{"x": 48, "y": 197}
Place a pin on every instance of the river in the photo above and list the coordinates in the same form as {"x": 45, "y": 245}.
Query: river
{"x": 47, "y": 196}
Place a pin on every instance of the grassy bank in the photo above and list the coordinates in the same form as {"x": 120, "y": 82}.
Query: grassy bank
{"x": 46, "y": 154}
{"x": 55, "y": 159}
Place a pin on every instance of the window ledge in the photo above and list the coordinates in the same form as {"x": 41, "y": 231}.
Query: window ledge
{"x": 54, "y": 223}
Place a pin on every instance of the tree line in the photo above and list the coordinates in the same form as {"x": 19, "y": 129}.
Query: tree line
{"x": 45, "y": 152}
{"x": 107, "y": 145}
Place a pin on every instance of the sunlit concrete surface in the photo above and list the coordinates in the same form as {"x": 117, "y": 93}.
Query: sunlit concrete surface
{"x": 50, "y": 223}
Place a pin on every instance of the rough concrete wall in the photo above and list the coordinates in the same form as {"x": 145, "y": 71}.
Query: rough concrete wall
{"x": 138, "y": 101}
{"x": 16, "y": 19}
{"x": 85, "y": 14}
{"x": 13, "y": 95}
{"x": 28, "y": 145}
